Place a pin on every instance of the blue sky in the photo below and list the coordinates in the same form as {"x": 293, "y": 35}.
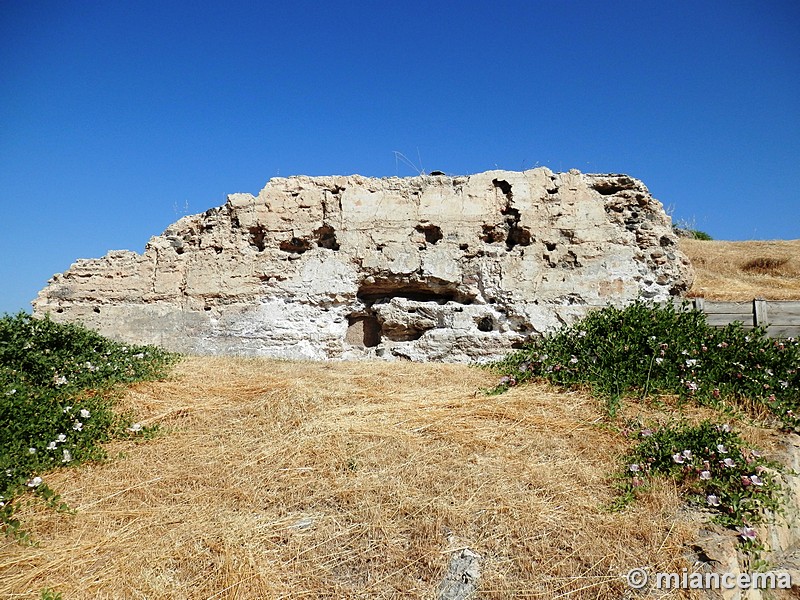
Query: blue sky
{"x": 117, "y": 118}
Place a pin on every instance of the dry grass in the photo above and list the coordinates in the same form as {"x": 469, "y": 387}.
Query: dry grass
{"x": 279, "y": 479}
{"x": 745, "y": 270}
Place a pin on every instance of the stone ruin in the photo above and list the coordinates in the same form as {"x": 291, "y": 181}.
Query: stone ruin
{"x": 424, "y": 268}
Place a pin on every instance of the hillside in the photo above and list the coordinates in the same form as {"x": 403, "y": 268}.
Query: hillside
{"x": 745, "y": 270}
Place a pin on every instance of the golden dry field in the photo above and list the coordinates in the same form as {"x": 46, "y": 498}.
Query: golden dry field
{"x": 289, "y": 479}
{"x": 745, "y": 270}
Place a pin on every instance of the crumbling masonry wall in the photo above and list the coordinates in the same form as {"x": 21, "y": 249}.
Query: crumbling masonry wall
{"x": 423, "y": 268}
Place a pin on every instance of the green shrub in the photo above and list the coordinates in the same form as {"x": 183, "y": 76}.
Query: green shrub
{"x": 646, "y": 349}
{"x": 700, "y": 235}
{"x": 714, "y": 469}
{"x": 643, "y": 350}
{"x": 57, "y": 389}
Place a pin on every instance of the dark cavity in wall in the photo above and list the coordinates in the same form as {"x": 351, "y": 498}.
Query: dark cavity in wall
{"x": 257, "y": 235}
{"x": 326, "y": 237}
{"x": 609, "y": 187}
{"x": 504, "y": 187}
{"x": 433, "y": 233}
{"x": 515, "y": 234}
{"x": 425, "y": 290}
{"x": 486, "y": 323}
{"x": 295, "y": 245}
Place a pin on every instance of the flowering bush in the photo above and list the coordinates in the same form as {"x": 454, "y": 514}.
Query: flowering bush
{"x": 649, "y": 349}
{"x": 714, "y": 468}
{"x": 57, "y": 385}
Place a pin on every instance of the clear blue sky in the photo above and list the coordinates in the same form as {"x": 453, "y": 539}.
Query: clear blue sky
{"x": 117, "y": 118}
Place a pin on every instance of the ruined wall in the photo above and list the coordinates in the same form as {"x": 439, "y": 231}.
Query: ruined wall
{"x": 423, "y": 268}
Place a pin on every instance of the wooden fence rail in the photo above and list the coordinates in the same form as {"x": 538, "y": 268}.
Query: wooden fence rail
{"x": 782, "y": 319}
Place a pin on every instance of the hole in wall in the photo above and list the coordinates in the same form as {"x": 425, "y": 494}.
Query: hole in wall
{"x": 384, "y": 289}
{"x": 433, "y": 233}
{"x": 295, "y": 245}
{"x": 486, "y": 323}
{"x": 492, "y": 234}
{"x": 257, "y": 235}
{"x": 326, "y": 237}
{"x": 97, "y": 309}
{"x": 504, "y": 187}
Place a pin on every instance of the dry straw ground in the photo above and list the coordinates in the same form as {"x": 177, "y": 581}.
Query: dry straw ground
{"x": 745, "y": 270}
{"x": 277, "y": 479}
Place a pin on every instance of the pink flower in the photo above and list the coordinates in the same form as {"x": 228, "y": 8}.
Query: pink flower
{"x": 634, "y": 468}
{"x": 712, "y": 500}
{"x": 728, "y": 462}
{"x": 756, "y": 480}
{"x": 678, "y": 458}
{"x": 748, "y": 534}
{"x": 705, "y": 474}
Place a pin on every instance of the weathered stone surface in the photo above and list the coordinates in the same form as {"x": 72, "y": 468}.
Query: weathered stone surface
{"x": 423, "y": 268}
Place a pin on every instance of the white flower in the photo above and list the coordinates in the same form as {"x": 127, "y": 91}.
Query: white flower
{"x": 67, "y": 456}
{"x": 31, "y": 450}
{"x": 659, "y": 360}
{"x": 67, "y": 409}
{"x": 691, "y": 362}
{"x": 77, "y": 426}
{"x": 728, "y": 462}
{"x": 705, "y": 474}
{"x": 678, "y": 458}
{"x": 59, "y": 380}
{"x": 722, "y": 449}
{"x": 140, "y": 355}
{"x": 85, "y": 413}
{"x": 712, "y": 500}
{"x": 35, "y": 482}
{"x": 61, "y": 438}
{"x": 573, "y": 360}
{"x": 756, "y": 480}
{"x": 51, "y": 446}
{"x": 634, "y": 468}
{"x": 12, "y": 392}
{"x": 135, "y": 428}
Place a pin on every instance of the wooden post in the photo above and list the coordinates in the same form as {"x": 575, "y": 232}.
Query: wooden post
{"x": 700, "y": 304}
{"x": 760, "y": 313}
